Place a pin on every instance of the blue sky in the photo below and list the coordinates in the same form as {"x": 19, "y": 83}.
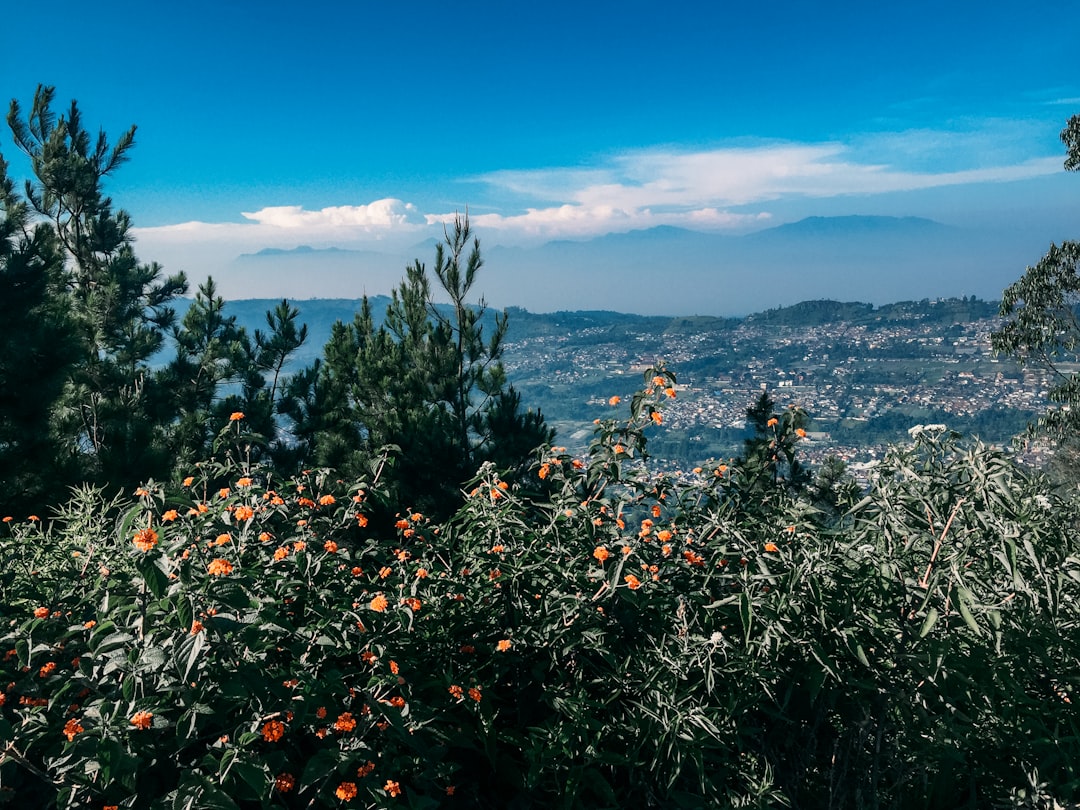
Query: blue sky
{"x": 356, "y": 124}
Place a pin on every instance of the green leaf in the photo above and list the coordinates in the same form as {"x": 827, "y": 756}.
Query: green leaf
{"x": 928, "y": 622}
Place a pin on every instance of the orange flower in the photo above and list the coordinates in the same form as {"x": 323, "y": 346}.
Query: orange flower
{"x": 264, "y": 536}
{"x": 365, "y": 769}
{"x": 170, "y": 516}
{"x": 345, "y": 722}
{"x": 601, "y": 553}
{"x": 142, "y": 720}
{"x": 670, "y": 392}
{"x": 244, "y": 482}
{"x": 236, "y": 416}
{"x": 693, "y": 559}
{"x": 89, "y": 625}
{"x": 41, "y": 612}
{"x": 223, "y": 492}
{"x": 632, "y": 582}
{"x": 385, "y": 571}
{"x": 393, "y": 788}
{"x": 327, "y": 500}
{"x": 657, "y": 417}
{"x": 284, "y": 782}
{"x": 394, "y": 669}
{"x": 379, "y": 603}
{"x": 543, "y": 471}
{"x": 413, "y": 603}
{"x": 800, "y": 433}
{"x": 72, "y": 728}
{"x": 773, "y": 422}
{"x": 145, "y": 539}
{"x": 771, "y": 547}
{"x": 658, "y": 381}
{"x": 196, "y": 627}
{"x": 243, "y": 513}
{"x": 220, "y": 568}
{"x": 273, "y": 730}
{"x": 222, "y": 539}
{"x": 474, "y": 693}
{"x": 421, "y": 573}
{"x": 346, "y": 791}
{"x": 281, "y": 553}
{"x": 503, "y": 645}
{"x": 456, "y": 691}
{"x": 189, "y": 481}
{"x": 615, "y": 400}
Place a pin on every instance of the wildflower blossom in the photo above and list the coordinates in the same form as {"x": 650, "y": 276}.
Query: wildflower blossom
{"x": 456, "y": 691}
{"x": 169, "y": 516}
{"x": 632, "y": 582}
{"x": 346, "y": 791}
{"x": 657, "y": 417}
{"x": 475, "y": 694}
{"x": 284, "y": 782}
{"x": 219, "y": 568}
{"x": 771, "y": 547}
{"x": 365, "y": 769}
{"x": 379, "y": 603}
{"x": 393, "y": 788}
{"x": 142, "y": 720}
{"x": 145, "y": 539}
{"x": 72, "y": 728}
{"x": 345, "y": 722}
{"x": 244, "y": 482}
{"x": 273, "y": 730}
{"x": 41, "y": 612}
{"x": 236, "y": 416}
{"x": 243, "y": 513}
{"x": 503, "y": 645}
{"x": 327, "y": 500}
{"x": 773, "y": 422}
{"x": 187, "y": 482}
{"x": 543, "y": 471}
{"x": 196, "y": 627}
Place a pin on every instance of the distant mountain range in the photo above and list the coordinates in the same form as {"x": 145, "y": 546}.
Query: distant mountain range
{"x": 677, "y": 271}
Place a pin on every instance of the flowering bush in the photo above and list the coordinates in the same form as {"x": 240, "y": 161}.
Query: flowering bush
{"x": 592, "y": 635}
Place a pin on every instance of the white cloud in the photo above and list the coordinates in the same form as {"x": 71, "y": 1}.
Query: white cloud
{"x": 381, "y": 214}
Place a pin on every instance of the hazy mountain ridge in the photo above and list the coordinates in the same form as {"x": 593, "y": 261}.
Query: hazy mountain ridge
{"x": 667, "y": 269}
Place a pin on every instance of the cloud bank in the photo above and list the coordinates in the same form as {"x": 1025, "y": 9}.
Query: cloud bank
{"x": 730, "y": 188}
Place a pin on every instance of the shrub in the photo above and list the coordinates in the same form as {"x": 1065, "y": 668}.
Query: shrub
{"x": 590, "y": 635}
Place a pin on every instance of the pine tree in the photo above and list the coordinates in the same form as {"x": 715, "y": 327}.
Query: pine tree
{"x": 428, "y": 383}
{"x": 119, "y": 308}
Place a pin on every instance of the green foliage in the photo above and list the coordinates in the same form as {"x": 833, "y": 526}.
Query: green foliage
{"x": 427, "y": 382}
{"x": 590, "y": 635}
{"x": 1042, "y": 310}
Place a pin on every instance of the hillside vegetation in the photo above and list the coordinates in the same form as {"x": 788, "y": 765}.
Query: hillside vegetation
{"x": 377, "y": 582}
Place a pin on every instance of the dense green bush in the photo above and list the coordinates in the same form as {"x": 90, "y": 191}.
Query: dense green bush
{"x": 591, "y": 635}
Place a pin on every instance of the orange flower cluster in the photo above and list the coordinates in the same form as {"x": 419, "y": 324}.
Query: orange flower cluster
{"x": 72, "y": 728}
{"x": 243, "y": 513}
{"x": 365, "y": 769}
{"x": 379, "y": 603}
{"x": 142, "y": 720}
{"x": 284, "y": 782}
{"x": 632, "y": 582}
{"x": 601, "y": 553}
{"x": 145, "y": 539}
{"x": 236, "y": 416}
{"x": 393, "y": 788}
{"x": 346, "y": 791}
{"x": 273, "y": 730}
{"x": 219, "y": 568}
{"x": 345, "y": 722}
